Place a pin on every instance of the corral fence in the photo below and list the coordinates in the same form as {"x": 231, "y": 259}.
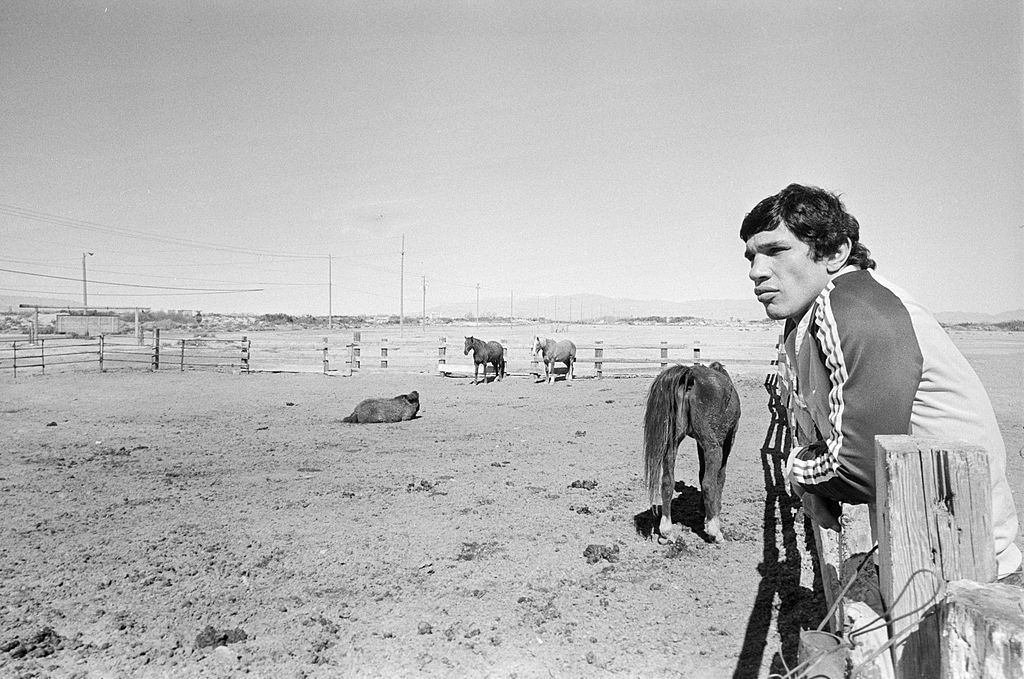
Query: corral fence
{"x": 910, "y": 581}
{"x": 594, "y": 359}
{"x": 163, "y": 353}
{"x": 284, "y": 352}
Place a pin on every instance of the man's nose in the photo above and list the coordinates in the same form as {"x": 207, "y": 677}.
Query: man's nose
{"x": 758, "y": 269}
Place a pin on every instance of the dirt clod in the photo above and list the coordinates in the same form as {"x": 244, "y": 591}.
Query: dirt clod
{"x": 212, "y": 637}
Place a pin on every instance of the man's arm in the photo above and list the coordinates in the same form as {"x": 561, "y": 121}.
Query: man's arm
{"x": 868, "y": 345}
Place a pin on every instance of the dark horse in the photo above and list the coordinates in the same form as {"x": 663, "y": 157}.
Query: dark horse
{"x": 553, "y": 352}
{"x": 484, "y": 353}
{"x": 700, "y": 402}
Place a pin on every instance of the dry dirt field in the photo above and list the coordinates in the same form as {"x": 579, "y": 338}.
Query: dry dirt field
{"x": 205, "y": 524}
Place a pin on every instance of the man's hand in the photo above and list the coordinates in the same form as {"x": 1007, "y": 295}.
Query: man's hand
{"x": 822, "y": 510}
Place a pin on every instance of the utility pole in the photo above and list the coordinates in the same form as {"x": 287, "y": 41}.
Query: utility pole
{"x": 330, "y": 292}
{"x": 85, "y": 290}
{"x": 401, "y": 301}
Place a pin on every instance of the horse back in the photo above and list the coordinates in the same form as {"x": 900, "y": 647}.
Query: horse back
{"x": 712, "y": 401}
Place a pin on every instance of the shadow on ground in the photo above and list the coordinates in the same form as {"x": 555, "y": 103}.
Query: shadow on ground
{"x": 799, "y": 607}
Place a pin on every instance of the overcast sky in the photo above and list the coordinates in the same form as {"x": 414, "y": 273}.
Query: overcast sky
{"x": 528, "y": 147}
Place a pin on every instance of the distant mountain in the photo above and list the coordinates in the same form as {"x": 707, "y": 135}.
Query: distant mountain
{"x": 586, "y": 306}
{"x": 952, "y": 317}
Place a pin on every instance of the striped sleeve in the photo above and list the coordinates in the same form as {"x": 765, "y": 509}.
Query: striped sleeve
{"x": 867, "y": 344}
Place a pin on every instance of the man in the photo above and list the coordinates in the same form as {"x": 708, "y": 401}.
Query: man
{"x": 867, "y": 360}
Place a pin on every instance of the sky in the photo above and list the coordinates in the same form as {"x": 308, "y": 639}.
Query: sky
{"x": 276, "y": 157}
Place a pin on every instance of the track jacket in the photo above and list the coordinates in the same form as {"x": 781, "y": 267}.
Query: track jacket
{"x": 866, "y": 360}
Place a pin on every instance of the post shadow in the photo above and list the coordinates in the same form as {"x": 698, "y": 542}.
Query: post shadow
{"x": 800, "y": 607}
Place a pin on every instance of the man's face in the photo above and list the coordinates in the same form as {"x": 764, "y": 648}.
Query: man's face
{"x": 786, "y": 278}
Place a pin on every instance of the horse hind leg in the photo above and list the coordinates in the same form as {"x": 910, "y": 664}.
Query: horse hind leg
{"x": 712, "y": 478}
{"x": 668, "y": 488}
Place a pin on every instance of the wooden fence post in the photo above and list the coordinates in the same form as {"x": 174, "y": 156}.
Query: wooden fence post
{"x": 696, "y": 352}
{"x": 598, "y": 355}
{"x": 246, "y": 346}
{"x": 42, "y": 356}
{"x": 504, "y": 353}
{"x": 156, "y": 349}
{"x": 383, "y": 352}
{"x": 101, "y": 354}
{"x": 934, "y": 517}
{"x": 14, "y": 345}
{"x": 982, "y": 631}
{"x": 182, "y": 354}
{"x": 442, "y": 351}
{"x": 353, "y": 354}
{"x": 327, "y": 363}
{"x": 664, "y": 355}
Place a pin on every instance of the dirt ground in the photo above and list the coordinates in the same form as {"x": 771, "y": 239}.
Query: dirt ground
{"x": 206, "y": 524}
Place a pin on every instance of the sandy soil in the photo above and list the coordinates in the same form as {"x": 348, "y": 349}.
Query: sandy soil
{"x": 217, "y": 525}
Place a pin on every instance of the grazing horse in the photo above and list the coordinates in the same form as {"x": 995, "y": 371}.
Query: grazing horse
{"x": 484, "y": 353}
{"x": 563, "y": 351}
{"x": 398, "y": 409}
{"x": 700, "y": 402}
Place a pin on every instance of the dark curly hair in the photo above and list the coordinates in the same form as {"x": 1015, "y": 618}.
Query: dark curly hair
{"x": 815, "y": 216}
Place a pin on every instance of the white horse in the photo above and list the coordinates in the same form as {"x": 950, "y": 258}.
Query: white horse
{"x": 563, "y": 351}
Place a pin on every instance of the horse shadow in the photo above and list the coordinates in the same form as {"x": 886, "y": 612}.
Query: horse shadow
{"x": 560, "y": 375}
{"x": 687, "y": 509}
{"x": 799, "y": 607}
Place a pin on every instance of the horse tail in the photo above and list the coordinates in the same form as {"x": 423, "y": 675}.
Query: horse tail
{"x": 662, "y": 429}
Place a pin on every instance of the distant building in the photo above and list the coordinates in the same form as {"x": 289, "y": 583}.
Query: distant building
{"x": 76, "y": 324}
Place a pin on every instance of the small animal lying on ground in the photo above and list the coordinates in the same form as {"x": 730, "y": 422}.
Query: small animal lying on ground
{"x": 398, "y": 409}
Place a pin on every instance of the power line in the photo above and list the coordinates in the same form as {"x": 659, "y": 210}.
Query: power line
{"x": 130, "y": 285}
{"x": 57, "y": 220}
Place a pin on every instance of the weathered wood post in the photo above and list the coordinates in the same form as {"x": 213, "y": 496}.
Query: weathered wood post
{"x": 982, "y": 631}
{"x": 664, "y": 355}
{"x": 696, "y": 352}
{"x": 156, "y": 349}
{"x": 101, "y": 353}
{"x": 383, "y": 352}
{"x": 42, "y": 356}
{"x": 353, "y": 353}
{"x": 598, "y": 355}
{"x": 182, "y": 363}
{"x": 138, "y": 328}
{"x": 504, "y": 354}
{"x": 246, "y": 346}
{"x": 934, "y": 518}
{"x": 327, "y": 363}
{"x": 14, "y": 345}
{"x": 442, "y": 350}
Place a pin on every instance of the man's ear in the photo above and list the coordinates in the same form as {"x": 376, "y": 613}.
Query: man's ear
{"x": 837, "y": 260}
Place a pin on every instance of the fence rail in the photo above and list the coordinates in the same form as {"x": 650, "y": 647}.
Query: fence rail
{"x": 162, "y": 354}
{"x": 331, "y": 356}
